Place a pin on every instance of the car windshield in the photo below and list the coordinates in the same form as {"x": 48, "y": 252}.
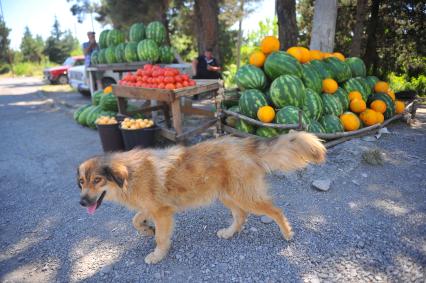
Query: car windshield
{"x": 69, "y": 62}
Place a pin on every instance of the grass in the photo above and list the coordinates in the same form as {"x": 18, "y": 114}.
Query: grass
{"x": 57, "y": 88}
{"x": 27, "y": 69}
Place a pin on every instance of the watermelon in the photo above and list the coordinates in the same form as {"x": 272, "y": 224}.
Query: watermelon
{"x": 92, "y": 116}
{"x": 250, "y": 77}
{"x": 167, "y": 56}
{"x": 156, "y": 31}
{"x": 131, "y": 52}
{"x": 267, "y": 132}
{"x": 357, "y": 67}
{"x": 137, "y": 32}
{"x": 79, "y": 111}
{"x": 119, "y": 53}
{"x": 322, "y": 69}
{"x": 315, "y": 127}
{"x": 364, "y": 83}
{"x": 290, "y": 115}
{"x": 343, "y": 97}
{"x": 281, "y": 63}
{"x": 83, "y": 115}
{"x": 96, "y": 97}
{"x": 312, "y": 105}
{"x": 371, "y": 81}
{"x": 250, "y": 101}
{"x": 268, "y": 96}
{"x": 115, "y": 37}
{"x": 390, "y": 105}
{"x": 331, "y": 104}
{"x": 331, "y": 124}
{"x": 340, "y": 70}
{"x": 148, "y": 50}
{"x": 110, "y": 55}
{"x": 235, "y": 109}
{"x": 94, "y": 57}
{"x": 245, "y": 127}
{"x": 101, "y": 57}
{"x": 287, "y": 90}
{"x": 103, "y": 39}
{"x": 355, "y": 84}
{"x": 108, "y": 102}
{"x": 231, "y": 121}
{"x": 311, "y": 78}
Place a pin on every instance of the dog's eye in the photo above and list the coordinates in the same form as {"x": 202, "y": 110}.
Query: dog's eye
{"x": 81, "y": 181}
{"x": 96, "y": 180}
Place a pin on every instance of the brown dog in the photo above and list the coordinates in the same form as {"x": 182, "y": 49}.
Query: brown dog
{"x": 159, "y": 183}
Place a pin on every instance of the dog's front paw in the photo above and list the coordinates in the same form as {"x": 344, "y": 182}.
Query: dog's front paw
{"x": 146, "y": 230}
{"x": 289, "y": 236}
{"x": 154, "y": 257}
{"x": 225, "y": 233}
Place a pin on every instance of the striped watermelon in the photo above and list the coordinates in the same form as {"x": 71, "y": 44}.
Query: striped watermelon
{"x": 115, "y": 37}
{"x": 364, "y": 83}
{"x": 110, "y": 55}
{"x": 235, "y": 109}
{"x": 341, "y": 70}
{"x": 250, "y": 101}
{"x": 371, "y": 81}
{"x": 94, "y": 57}
{"x": 343, "y": 97}
{"x": 281, "y": 63}
{"x": 357, "y": 67}
{"x": 167, "y": 55}
{"x": 250, "y": 77}
{"x": 245, "y": 127}
{"x": 355, "y": 84}
{"x": 156, "y": 31}
{"x": 267, "y": 132}
{"x": 103, "y": 39}
{"x": 101, "y": 57}
{"x": 268, "y": 96}
{"x": 315, "y": 127}
{"x": 311, "y": 78}
{"x": 79, "y": 111}
{"x": 390, "y": 106}
{"x": 322, "y": 69}
{"x": 137, "y": 32}
{"x": 287, "y": 90}
{"x": 331, "y": 104}
{"x": 148, "y": 50}
{"x": 131, "y": 52}
{"x": 290, "y": 115}
{"x": 120, "y": 53}
{"x": 313, "y": 104}
{"x": 331, "y": 124}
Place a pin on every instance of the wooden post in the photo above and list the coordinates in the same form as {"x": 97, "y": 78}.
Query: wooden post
{"x": 324, "y": 25}
{"x": 177, "y": 116}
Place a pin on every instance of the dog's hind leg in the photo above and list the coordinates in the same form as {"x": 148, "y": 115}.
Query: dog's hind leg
{"x": 164, "y": 222}
{"x": 141, "y": 224}
{"x": 239, "y": 217}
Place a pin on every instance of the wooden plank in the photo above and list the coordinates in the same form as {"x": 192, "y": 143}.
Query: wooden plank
{"x": 238, "y": 133}
{"x": 168, "y": 133}
{"x": 201, "y": 87}
{"x": 166, "y": 111}
{"x": 197, "y": 130}
{"x": 122, "y": 105}
{"x": 143, "y": 93}
{"x": 258, "y": 123}
{"x": 177, "y": 116}
{"x": 197, "y": 111}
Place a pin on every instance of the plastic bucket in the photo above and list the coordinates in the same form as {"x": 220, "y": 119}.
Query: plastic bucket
{"x": 111, "y": 138}
{"x": 139, "y": 138}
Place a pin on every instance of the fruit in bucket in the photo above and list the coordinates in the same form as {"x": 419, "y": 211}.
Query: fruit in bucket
{"x": 135, "y": 124}
{"x": 106, "y": 120}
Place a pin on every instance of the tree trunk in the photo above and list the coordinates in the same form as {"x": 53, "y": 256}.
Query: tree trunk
{"x": 324, "y": 25}
{"x": 162, "y": 16}
{"x": 371, "y": 57}
{"x": 207, "y": 26}
{"x": 287, "y": 25}
{"x": 240, "y": 34}
{"x": 361, "y": 12}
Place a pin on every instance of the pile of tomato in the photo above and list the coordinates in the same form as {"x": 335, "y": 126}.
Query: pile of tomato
{"x": 154, "y": 76}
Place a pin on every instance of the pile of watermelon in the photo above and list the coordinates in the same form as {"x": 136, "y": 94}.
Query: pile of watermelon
{"x": 145, "y": 43}
{"x": 333, "y": 93}
{"x": 104, "y": 104}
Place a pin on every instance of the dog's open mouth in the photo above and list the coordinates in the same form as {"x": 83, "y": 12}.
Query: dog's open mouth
{"x": 91, "y": 209}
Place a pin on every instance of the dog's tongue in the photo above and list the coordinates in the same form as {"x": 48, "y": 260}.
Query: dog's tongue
{"x": 91, "y": 209}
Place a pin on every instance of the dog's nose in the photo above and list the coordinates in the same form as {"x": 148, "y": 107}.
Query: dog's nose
{"x": 84, "y": 202}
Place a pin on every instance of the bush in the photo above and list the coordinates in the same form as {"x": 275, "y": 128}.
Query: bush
{"x": 4, "y": 69}
{"x": 29, "y": 69}
{"x": 402, "y": 82}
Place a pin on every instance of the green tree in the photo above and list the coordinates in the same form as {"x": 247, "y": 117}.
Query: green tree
{"x": 31, "y": 48}
{"x": 60, "y": 44}
{"x": 5, "y": 57}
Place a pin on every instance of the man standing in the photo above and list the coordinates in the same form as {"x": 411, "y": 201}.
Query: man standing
{"x": 89, "y": 47}
{"x": 206, "y": 67}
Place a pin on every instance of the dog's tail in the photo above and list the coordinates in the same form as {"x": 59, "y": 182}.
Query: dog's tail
{"x": 291, "y": 151}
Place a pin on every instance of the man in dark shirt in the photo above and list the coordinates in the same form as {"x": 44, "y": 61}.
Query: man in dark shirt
{"x": 206, "y": 67}
{"x": 89, "y": 47}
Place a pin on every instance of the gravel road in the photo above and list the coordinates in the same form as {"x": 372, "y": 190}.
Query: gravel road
{"x": 369, "y": 227}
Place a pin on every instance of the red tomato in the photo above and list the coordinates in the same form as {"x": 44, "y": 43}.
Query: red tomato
{"x": 161, "y": 85}
{"x": 161, "y": 79}
{"x": 178, "y": 79}
{"x": 147, "y": 67}
{"x": 138, "y": 84}
{"x": 160, "y": 72}
{"x": 175, "y": 71}
{"x": 139, "y": 72}
{"x": 179, "y": 85}
{"x": 170, "y": 86}
{"x": 192, "y": 83}
{"x": 155, "y": 73}
{"x": 168, "y": 74}
{"x": 185, "y": 83}
{"x": 184, "y": 77}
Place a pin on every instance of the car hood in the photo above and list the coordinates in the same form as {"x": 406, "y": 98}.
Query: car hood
{"x": 59, "y": 68}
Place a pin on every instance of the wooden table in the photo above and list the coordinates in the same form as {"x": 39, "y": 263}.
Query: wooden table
{"x": 170, "y": 101}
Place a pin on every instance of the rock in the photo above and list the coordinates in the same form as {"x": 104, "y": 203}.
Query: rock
{"x": 322, "y": 185}
{"x": 355, "y": 182}
{"x": 21, "y": 259}
{"x": 364, "y": 175}
{"x": 241, "y": 257}
{"x": 106, "y": 269}
{"x": 157, "y": 275}
{"x": 266, "y": 220}
{"x": 253, "y": 229}
{"x": 368, "y": 139}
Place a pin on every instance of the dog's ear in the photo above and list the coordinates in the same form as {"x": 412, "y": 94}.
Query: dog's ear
{"x": 78, "y": 177}
{"x": 116, "y": 173}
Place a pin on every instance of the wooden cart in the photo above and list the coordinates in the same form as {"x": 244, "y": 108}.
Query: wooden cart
{"x": 169, "y": 101}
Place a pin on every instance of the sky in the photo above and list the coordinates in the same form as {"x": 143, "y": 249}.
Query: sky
{"x": 39, "y": 16}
